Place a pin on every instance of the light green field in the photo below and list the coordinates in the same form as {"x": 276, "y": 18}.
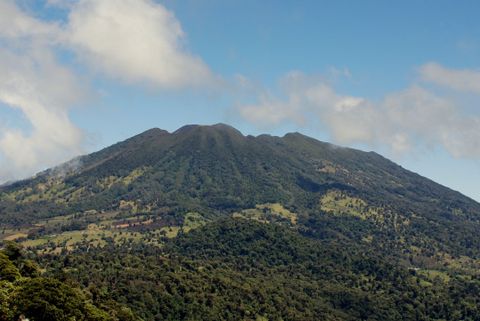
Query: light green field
{"x": 15, "y": 236}
{"x": 338, "y": 203}
{"x": 11, "y": 234}
{"x": 108, "y": 227}
{"x": 192, "y": 221}
{"x": 94, "y": 236}
{"x": 109, "y": 181}
{"x": 435, "y": 275}
{"x": 170, "y": 231}
{"x": 265, "y": 213}
{"x": 56, "y": 221}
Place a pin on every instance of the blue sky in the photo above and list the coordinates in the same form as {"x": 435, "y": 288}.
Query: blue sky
{"x": 400, "y": 78}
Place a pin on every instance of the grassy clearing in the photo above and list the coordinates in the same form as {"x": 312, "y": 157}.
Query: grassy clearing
{"x": 93, "y": 236}
{"x": 267, "y": 213}
{"x": 435, "y": 275}
{"x": 108, "y": 182}
{"x": 12, "y": 233}
{"x": 251, "y": 214}
{"x": 15, "y": 236}
{"x": 338, "y": 203}
{"x": 192, "y": 221}
{"x": 170, "y": 231}
{"x": 35, "y": 243}
{"x": 277, "y": 209}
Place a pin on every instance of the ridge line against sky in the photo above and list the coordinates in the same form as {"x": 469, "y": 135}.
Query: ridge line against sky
{"x": 70, "y": 67}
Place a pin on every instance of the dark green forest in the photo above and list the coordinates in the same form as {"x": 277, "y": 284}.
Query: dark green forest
{"x": 26, "y": 291}
{"x": 233, "y": 269}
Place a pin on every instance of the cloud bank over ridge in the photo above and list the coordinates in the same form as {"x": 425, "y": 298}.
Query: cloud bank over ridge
{"x": 402, "y": 121}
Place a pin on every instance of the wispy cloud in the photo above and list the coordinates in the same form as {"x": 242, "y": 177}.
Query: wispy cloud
{"x": 33, "y": 82}
{"x": 464, "y": 80}
{"x": 16, "y": 24}
{"x": 412, "y": 118}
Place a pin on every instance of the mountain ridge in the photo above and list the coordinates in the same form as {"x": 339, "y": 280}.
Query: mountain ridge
{"x": 156, "y": 133}
{"x": 216, "y": 171}
{"x": 163, "y": 140}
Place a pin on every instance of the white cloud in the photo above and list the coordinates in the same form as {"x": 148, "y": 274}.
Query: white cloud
{"x": 412, "y": 118}
{"x": 33, "y": 82}
{"x": 135, "y": 41}
{"x": 461, "y": 80}
{"x": 426, "y": 119}
{"x": 43, "y": 91}
{"x": 15, "y": 24}
{"x": 271, "y": 111}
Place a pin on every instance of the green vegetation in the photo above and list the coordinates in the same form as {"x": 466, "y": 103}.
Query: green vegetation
{"x": 268, "y": 213}
{"x": 24, "y": 291}
{"x": 337, "y": 203}
{"x": 241, "y": 269}
{"x": 193, "y": 220}
{"x": 208, "y": 224}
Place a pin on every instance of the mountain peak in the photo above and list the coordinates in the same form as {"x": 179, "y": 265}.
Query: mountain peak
{"x": 220, "y": 127}
{"x": 153, "y": 132}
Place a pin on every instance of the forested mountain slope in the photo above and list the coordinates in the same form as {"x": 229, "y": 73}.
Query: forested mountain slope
{"x": 348, "y": 233}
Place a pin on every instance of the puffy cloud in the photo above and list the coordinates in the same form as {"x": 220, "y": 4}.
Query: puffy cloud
{"x": 461, "y": 80}
{"x": 426, "y": 119}
{"x": 135, "y": 41}
{"x": 412, "y": 118}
